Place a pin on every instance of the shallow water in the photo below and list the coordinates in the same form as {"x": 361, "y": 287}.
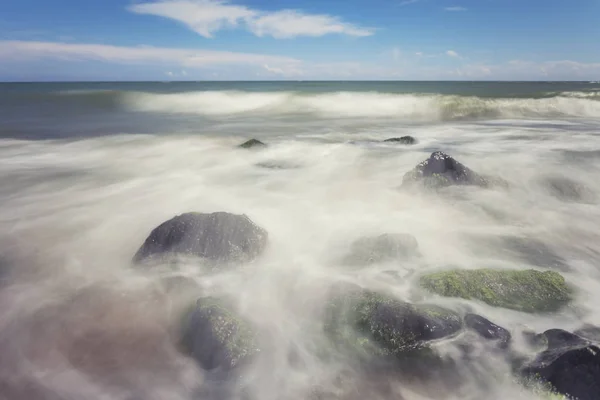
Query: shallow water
{"x": 78, "y": 321}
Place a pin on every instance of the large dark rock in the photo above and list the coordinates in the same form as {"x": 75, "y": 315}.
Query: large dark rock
{"x": 572, "y": 371}
{"x": 252, "y": 143}
{"x": 402, "y": 140}
{"x": 527, "y": 291}
{"x": 488, "y": 329}
{"x": 385, "y": 247}
{"x": 217, "y": 337}
{"x": 441, "y": 170}
{"x": 220, "y": 237}
{"x": 379, "y": 324}
{"x": 590, "y": 332}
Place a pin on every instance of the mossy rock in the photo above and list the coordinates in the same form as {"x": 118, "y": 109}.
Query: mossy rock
{"x": 252, "y": 143}
{"x": 386, "y": 247}
{"x": 376, "y": 324}
{"x": 527, "y": 291}
{"x": 216, "y": 336}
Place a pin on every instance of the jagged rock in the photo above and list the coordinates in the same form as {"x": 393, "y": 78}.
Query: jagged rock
{"x": 252, "y": 143}
{"x": 376, "y": 249}
{"x": 488, "y": 329}
{"x": 220, "y": 237}
{"x": 217, "y": 337}
{"x": 527, "y": 291}
{"x": 379, "y": 324}
{"x": 441, "y": 170}
{"x": 402, "y": 140}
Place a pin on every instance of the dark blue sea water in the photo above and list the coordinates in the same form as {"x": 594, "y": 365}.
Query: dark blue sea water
{"x": 87, "y": 170}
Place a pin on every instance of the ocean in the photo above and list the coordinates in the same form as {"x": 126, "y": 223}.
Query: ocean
{"x": 88, "y": 170}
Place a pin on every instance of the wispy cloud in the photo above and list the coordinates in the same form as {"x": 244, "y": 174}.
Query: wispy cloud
{"x": 209, "y": 16}
{"x": 452, "y": 53}
{"x": 25, "y": 50}
{"x": 407, "y": 2}
{"x": 455, "y": 8}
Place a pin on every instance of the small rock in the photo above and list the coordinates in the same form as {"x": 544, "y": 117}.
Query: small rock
{"x": 488, "y": 330}
{"x": 221, "y": 237}
{"x": 376, "y": 249}
{"x": 527, "y": 291}
{"x": 216, "y": 337}
{"x": 402, "y": 140}
{"x": 252, "y": 143}
{"x": 441, "y": 170}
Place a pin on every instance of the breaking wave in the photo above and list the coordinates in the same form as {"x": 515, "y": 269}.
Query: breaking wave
{"x": 360, "y": 105}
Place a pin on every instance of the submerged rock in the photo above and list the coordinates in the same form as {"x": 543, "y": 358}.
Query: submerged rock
{"x": 527, "y": 291}
{"x": 219, "y": 236}
{"x": 567, "y": 190}
{"x": 252, "y": 143}
{"x": 216, "y": 337}
{"x": 572, "y": 371}
{"x": 402, "y": 140}
{"x": 488, "y": 329}
{"x": 441, "y": 170}
{"x": 590, "y": 332}
{"x": 385, "y": 247}
{"x": 379, "y": 324}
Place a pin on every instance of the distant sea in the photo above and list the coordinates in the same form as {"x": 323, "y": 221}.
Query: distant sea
{"x": 88, "y": 170}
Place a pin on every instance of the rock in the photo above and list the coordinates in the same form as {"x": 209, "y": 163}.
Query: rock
{"x": 488, "y": 330}
{"x": 219, "y": 237}
{"x": 379, "y": 324}
{"x": 558, "y": 338}
{"x": 441, "y": 170}
{"x": 567, "y": 189}
{"x": 402, "y": 140}
{"x": 252, "y": 143}
{"x": 216, "y": 337}
{"x": 527, "y": 291}
{"x": 572, "y": 371}
{"x": 386, "y": 247}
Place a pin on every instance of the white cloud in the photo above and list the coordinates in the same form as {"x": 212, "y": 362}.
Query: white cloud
{"x": 169, "y": 73}
{"x": 209, "y": 16}
{"x": 452, "y": 53}
{"x": 455, "y": 8}
{"x": 407, "y": 2}
{"x": 24, "y": 50}
{"x": 291, "y": 23}
{"x": 396, "y": 54}
{"x": 419, "y": 54}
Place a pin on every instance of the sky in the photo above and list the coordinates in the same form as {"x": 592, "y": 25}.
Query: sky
{"x": 167, "y": 40}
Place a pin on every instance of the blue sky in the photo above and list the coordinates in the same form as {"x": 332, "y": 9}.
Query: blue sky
{"x": 299, "y": 40}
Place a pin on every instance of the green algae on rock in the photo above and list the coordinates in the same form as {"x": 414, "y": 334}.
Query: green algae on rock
{"x": 377, "y": 324}
{"x": 528, "y": 291}
{"x": 216, "y": 337}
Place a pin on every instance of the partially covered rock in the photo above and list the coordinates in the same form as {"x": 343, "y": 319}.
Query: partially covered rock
{"x": 385, "y": 247}
{"x": 252, "y": 143}
{"x": 402, "y": 140}
{"x": 441, "y": 170}
{"x": 488, "y": 329}
{"x": 590, "y": 332}
{"x": 572, "y": 371}
{"x": 216, "y": 337}
{"x": 527, "y": 291}
{"x": 382, "y": 325}
{"x": 220, "y": 237}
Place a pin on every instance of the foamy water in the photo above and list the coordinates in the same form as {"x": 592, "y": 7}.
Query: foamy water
{"x": 78, "y": 321}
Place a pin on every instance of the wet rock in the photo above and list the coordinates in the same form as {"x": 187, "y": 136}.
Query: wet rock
{"x": 572, "y": 371}
{"x": 386, "y": 247}
{"x": 441, "y": 170}
{"x": 488, "y": 329}
{"x": 252, "y": 143}
{"x": 216, "y": 337}
{"x": 379, "y": 324}
{"x": 527, "y": 291}
{"x": 219, "y": 237}
{"x": 402, "y": 140}
{"x": 558, "y": 338}
{"x": 567, "y": 190}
